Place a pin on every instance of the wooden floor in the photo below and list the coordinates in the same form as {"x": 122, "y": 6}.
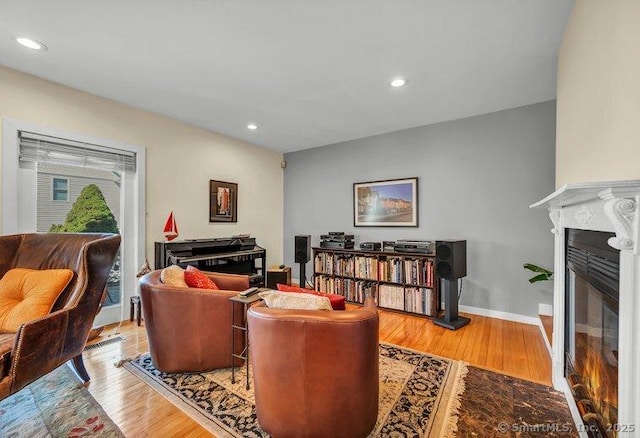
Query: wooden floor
{"x": 507, "y": 347}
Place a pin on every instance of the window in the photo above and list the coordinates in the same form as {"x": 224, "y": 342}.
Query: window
{"x": 48, "y": 165}
{"x": 60, "y": 189}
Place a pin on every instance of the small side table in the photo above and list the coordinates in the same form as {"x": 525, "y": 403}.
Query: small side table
{"x": 241, "y": 325}
{"x": 135, "y": 306}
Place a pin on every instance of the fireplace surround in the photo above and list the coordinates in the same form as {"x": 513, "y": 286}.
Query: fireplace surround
{"x": 605, "y": 207}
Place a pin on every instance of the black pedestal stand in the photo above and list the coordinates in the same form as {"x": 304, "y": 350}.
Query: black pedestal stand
{"x": 303, "y": 275}
{"x": 451, "y": 319}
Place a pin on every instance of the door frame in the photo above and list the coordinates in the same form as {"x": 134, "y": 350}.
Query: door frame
{"x": 133, "y": 229}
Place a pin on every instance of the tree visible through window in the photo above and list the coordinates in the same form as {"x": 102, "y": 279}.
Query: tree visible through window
{"x": 91, "y": 214}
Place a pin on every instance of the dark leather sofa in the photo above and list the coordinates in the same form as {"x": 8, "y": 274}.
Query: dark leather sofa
{"x": 315, "y": 372}
{"x": 42, "y": 345}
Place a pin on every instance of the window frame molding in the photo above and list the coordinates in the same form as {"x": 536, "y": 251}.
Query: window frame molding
{"x": 135, "y": 235}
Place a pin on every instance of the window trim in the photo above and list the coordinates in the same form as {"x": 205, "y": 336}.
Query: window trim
{"x": 53, "y": 189}
{"x": 134, "y": 236}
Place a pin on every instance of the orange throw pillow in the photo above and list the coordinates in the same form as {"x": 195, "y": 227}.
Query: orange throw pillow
{"x": 194, "y": 277}
{"x": 28, "y": 294}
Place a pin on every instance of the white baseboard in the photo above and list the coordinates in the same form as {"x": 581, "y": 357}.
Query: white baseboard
{"x": 545, "y": 309}
{"x": 507, "y": 316}
{"x": 547, "y": 342}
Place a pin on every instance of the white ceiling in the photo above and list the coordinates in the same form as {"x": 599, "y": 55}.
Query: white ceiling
{"x": 309, "y": 73}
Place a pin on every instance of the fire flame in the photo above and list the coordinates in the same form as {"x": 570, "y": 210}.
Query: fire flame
{"x": 599, "y": 372}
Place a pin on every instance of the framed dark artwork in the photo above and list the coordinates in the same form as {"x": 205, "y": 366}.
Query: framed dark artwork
{"x": 388, "y": 203}
{"x": 223, "y": 201}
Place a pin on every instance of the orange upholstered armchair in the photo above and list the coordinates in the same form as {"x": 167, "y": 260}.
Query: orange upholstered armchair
{"x": 315, "y": 372}
{"x": 190, "y": 329}
{"x": 43, "y": 344}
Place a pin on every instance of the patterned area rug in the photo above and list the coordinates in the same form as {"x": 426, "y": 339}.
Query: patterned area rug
{"x": 56, "y": 405}
{"x": 419, "y": 395}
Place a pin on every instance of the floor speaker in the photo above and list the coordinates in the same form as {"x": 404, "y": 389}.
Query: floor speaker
{"x": 302, "y": 252}
{"x": 451, "y": 259}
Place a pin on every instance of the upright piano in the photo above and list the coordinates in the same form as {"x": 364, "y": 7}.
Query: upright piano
{"x": 236, "y": 255}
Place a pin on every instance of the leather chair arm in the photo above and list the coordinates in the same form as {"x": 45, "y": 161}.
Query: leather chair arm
{"x": 235, "y": 282}
{"x": 8, "y": 248}
{"x": 39, "y": 347}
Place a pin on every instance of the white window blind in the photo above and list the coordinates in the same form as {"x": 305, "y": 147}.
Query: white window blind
{"x": 45, "y": 149}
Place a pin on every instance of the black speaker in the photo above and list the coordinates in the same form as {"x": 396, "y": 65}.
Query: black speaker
{"x": 302, "y": 252}
{"x": 451, "y": 258}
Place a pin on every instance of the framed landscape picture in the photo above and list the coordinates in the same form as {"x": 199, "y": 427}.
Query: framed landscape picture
{"x": 223, "y": 201}
{"x": 389, "y": 203}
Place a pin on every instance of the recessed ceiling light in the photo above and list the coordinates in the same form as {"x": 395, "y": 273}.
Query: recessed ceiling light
{"x": 31, "y": 44}
{"x": 398, "y": 82}
{"x": 252, "y": 126}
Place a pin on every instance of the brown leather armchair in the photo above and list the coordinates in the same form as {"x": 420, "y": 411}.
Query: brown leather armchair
{"x": 315, "y": 372}
{"x": 190, "y": 329}
{"x": 44, "y": 344}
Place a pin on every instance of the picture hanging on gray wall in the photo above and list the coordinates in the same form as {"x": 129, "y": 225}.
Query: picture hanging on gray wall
{"x": 388, "y": 203}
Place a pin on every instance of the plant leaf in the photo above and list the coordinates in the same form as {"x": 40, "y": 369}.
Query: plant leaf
{"x": 540, "y": 277}
{"x": 536, "y": 268}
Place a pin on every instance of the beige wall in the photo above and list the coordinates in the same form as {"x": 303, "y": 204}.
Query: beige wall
{"x": 181, "y": 159}
{"x": 598, "y": 106}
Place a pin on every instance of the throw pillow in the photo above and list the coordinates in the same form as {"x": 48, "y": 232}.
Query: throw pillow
{"x": 28, "y": 294}
{"x": 173, "y": 276}
{"x": 287, "y": 288}
{"x": 294, "y": 300}
{"x": 196, "y": 278}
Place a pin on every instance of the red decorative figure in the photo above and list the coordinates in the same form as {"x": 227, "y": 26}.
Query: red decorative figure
{"x": 171, "y": 228}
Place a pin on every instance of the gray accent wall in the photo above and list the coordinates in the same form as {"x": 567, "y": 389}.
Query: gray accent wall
{"x": 477, "y": 178}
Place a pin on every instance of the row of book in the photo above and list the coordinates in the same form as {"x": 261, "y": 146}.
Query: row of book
{"x": 420, "y": 300}
{"x": 366, "y": 267}
{"x": 393, "y": 269}
{"x": 354, "y": 291}
{"x": 418, "y": 271}
{"x": 391, "y": 297}
{"x": 410, "y": 299}
{"x": 323, "y": 262}
{"x": 407, "y": 271}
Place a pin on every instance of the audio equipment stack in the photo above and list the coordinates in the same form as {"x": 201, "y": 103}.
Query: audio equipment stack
{"x": 336, "y": 240}
{"x": 451, "y": 265}
{"x": 371, "y": 246}
{"x": 415, "y": 246}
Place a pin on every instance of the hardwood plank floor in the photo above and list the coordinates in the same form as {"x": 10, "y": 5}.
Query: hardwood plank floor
{"x": 503, "y": 346}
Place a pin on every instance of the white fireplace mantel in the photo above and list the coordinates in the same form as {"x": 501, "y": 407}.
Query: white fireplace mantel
{"x": 612, "y": 206}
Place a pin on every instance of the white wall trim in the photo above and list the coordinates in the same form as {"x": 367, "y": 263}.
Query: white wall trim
{"x": 498, "y": 314}
{"x": 545, "y": 309}
{"x": 544, "y": 336}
